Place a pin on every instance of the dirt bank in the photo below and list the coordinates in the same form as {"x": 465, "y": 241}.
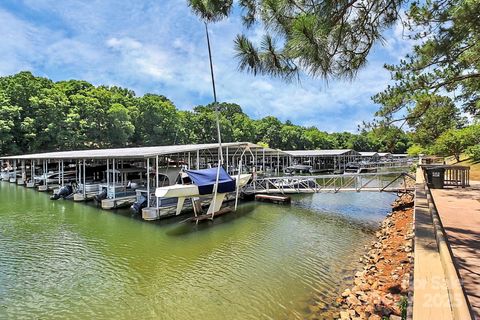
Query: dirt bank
{"x": 382, "y": 285}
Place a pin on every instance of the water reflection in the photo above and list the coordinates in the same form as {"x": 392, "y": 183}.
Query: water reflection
{"x": 71, "y": 260}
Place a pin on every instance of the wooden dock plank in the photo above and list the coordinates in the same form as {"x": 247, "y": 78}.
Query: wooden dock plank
{"x": 273, "y": 198}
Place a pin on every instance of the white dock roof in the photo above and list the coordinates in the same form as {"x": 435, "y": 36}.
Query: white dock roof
{"x": 320, "y": 153}
{"x": 400, "y": 155}
{"x": 384, "y": 154}
{"x": 135, "y": 153}
{"x": 368, "y": 154}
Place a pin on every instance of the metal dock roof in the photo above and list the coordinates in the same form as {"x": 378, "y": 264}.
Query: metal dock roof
{"x": 135, "y": 153}
{"x": 319, "y": 153}
{"x": 368, "y": 154}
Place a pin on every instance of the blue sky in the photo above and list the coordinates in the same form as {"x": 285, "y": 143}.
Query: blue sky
{"x": 159, "y": 47}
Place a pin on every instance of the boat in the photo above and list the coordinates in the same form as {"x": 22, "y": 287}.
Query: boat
{"x": 201, "y": 183}
{"x": 63, "y": 193}
{"x": 299, "y": 168}
{"x": 55, "y": 177}
{"x": 356, "y": 168}
{"x": 7, "y": 175}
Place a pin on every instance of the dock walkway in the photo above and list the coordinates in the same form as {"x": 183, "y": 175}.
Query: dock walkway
{"x": 352, "y": 182}
{"x": 459, "y": 211}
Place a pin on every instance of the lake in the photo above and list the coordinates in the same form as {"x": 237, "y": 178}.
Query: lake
{"x": 60, "y": 259}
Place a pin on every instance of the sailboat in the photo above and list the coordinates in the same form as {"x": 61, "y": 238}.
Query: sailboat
{"x": 203, "y": 183}
{"x": 214, "y": 182}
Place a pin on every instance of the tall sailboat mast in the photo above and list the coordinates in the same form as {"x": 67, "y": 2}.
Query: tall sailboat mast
{"x": 215, "y": 102}
{"x": 217, "y": 114}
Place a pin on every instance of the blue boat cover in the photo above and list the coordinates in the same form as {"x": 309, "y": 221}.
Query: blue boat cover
{"x": 205, "y": 180}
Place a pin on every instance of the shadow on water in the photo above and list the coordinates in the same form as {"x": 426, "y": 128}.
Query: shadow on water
{"x": 185, "y": 227}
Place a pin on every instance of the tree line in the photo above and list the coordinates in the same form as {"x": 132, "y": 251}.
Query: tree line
{"x": 39, "y": 115}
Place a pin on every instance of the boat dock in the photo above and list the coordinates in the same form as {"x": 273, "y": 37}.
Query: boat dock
{"x": 120, "y": 177}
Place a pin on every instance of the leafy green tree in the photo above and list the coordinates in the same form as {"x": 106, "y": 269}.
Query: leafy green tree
{"x": 432, "y": 116}
{"x": 9, "y": 117}
{"x": 243, "y": 128}
{"x": 38, "y": 115}
{"x": 155, "y": 120}
{"x": 21, "y": 87}
{"x": 316, "y": 139}
{"x": 45, "y": 127}
{"x": 320, "y": 38}
{"x": 204, "y": 125}
{"x": 84, "y": 121}
{"x": 390, "y": 138}
{"x": 228, "y": 110}
{"x": 474, "y": 152}
{"x": 292, "y": 138}
{"x": 71, "y": 87}
{"x": 456, "y": 141}
{"x": 361, "y": 142}
{"x": 268, "y": 130}
{"x": 341, "y": 140}
{"x": 211, "y": 10}
{"x": 119, "y": 126}
{"x": 415, "y": 150}
{"x": 445, "y": 61}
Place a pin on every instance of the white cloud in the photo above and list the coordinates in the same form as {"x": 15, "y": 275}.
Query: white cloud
{"x": 138, "y": 57}
{"x": 159, "y": 46}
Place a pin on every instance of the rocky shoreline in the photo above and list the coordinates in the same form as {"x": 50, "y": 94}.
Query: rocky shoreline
{"x": 380, "y": 289}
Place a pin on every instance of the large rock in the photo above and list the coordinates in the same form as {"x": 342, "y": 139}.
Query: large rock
{"x": 344, "y": 315}
{"x": 353, "y": 301}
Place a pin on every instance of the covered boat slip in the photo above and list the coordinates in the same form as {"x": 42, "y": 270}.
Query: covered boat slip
{"x": 323, "y": 160}
{"x": 121, "y": 176}
{"x": 202, "y": 184}
{"x": 342, "y": 160}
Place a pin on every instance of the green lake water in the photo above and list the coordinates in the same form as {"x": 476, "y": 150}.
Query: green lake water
{"x": 65, "y": 260}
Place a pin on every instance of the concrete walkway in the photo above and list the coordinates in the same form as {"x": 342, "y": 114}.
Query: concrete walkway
{"x": 459, "y": 211}
{"x": 430, "y": 296}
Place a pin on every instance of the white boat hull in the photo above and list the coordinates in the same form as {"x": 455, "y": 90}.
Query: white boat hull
{"x": 190, "y": 190}
{"x": 183, "y": 191}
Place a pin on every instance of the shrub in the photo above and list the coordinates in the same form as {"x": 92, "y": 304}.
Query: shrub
{"x": 474, "y": 152}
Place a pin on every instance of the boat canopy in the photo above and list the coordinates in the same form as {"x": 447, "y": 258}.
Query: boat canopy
{"x": 205, "y": 180}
